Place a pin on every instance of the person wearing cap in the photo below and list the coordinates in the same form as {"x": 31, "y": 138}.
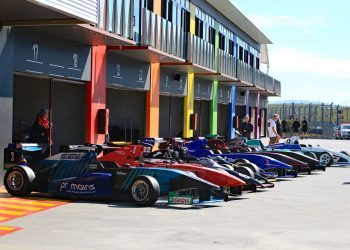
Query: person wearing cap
{"x": 41, "y": 129}
{"x": 246, "y": 127}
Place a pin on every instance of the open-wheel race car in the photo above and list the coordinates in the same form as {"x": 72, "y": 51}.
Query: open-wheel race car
{"x": 79, "y": 174}
{"x": 326, "y": 156}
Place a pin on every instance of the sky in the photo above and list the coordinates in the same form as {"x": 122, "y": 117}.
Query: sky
{"x": 310, "y": 53}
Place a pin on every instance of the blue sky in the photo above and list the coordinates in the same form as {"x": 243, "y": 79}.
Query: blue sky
{"x": 310, "y": 53}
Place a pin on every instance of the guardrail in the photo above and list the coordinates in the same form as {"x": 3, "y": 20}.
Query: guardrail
{"x": 277, "y": 87}
{"x": 200, "y": 51}
{"x": 244, "y": 72}
{"x": 269, "y": 83}
{"x": 258, "y": 78}
{"x": 226, "y": 63}
{"x": 162, "y": 34}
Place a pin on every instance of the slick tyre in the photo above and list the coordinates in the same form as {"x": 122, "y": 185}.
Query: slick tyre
{"x": 18, "y": 181}
{"x": 245, "y": 170}
{"x": 145, "y": 191}
{"x": 345, "y": 153}
{"x": 326, "y": 158}
{"x": 253, "y": 167}
{"x": 240, "y": 161}
{"x": 311, "y": 154}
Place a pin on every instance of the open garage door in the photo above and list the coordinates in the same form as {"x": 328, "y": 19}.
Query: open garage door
{"x": 170, "y": 116}
{"x": 201, "y": 108}
{"x": 223, "y": 119}
{"x": 126, "y": 114}
{"x": 66, "y": 99}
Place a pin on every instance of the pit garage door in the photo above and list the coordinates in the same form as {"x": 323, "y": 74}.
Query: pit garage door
{"x": 171, "y": 116}
{"x": 223, "y": 119}
{"x": 66, "y": 100}
{"x": 126, "y": 114}
{"x": 201, "y": 108}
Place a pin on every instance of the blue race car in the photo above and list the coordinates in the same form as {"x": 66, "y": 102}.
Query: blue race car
{"x": 78, "y": 174}
{"x": 198, "y": 148}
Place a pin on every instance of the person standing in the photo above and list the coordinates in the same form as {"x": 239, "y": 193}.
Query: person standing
{"x": 296, "y": 126}
{"x": 284, "y": 128}
{"x": 304, "y": 128}
{"x": 246, "y": 128}
{"x": 40, "y": 131}
{"x": 279, "y": 127}
{"x": 272, "y": 129}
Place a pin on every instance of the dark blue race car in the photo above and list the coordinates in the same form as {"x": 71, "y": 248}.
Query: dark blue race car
{"x": 78, "y": 174}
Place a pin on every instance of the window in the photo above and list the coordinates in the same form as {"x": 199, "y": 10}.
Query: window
{"x": 246, "y": 56}
{"x": 148, "y": 4}
{"x": 199, "y": 28}
{"x": 251, "y": 59}
{"x": 185, "y": 22}
{"x": 231, "y": 46}
{"x": 240, "y": 53}
{"x": 211, "y": 35}
{"x": 221, "y": 41}
{"x": 257, "y": 63}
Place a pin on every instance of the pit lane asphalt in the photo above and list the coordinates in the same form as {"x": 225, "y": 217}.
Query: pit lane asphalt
{"x": 309, "y": 212}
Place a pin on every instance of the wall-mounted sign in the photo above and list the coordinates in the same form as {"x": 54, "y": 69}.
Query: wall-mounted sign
{"x": 128, "y": 73}
{"x": 173, "y": 83}
{"x": 224, "y": 94}
{"x": 203, "y": 89}
{"x": 39, "y": 53}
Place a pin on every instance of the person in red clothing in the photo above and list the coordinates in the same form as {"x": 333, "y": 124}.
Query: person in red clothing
{"x": 40, "y": 131}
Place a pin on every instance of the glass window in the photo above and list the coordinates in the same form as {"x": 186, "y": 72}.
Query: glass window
{"x": 221, "y": 41}
{"x": 240, "y": 53}
{"x": 231, "y": 46}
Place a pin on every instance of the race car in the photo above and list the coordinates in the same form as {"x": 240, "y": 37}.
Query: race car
{"x": 131, "y": 155}
{"x": 326, "y": 156}
{"x": 78, "y": 174}
{"x": 198, "y": 148}
{"x": 172, "y": 149}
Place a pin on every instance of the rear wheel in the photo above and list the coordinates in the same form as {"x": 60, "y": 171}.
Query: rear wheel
{"x": 326, "y": 158}
{"x": 345, "y": 153}
{"x": 145, "y": 191}
{"x": 240, "y": 161}
{"x": 253, "y": 167}
{"x": 245, "y": 170}
{"x": 311, "y": 154}
{"x": 18, "y": 181}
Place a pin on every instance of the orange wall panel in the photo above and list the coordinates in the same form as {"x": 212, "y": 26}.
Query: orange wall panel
{"x": 95, "y": 94}
{"x": 152, "y": 103}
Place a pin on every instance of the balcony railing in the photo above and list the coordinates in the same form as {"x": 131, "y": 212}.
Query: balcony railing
{"x": 226, "y": 63}
{"x": 162, "y": 34}
{"x": 200, "y": 51}
{"x": 258, "y": 78}
{"x": 244, "y": 72}
{"x": 277, "y": 87}
{"x": 268, "y": 83}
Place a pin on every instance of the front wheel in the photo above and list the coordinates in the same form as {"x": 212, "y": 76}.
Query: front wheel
{"x": 145, "y": 190}
{"x": 17, "y": 181}
{"x": 326, "y": 158}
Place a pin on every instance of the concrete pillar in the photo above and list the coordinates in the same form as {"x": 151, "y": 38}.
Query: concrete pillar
{"x": 232, "y": 114}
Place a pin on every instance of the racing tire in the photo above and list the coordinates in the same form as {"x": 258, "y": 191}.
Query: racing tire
{"x": 345, "y": 153}
{"x": 253, "y": 167}
{"x": 245, "y": 170}
{"x": 240, "y": 161}
{"x": 326, "y": 158}
{"x": 145, "y": 190}
{"x": 228, "y": 166}
{"x": 18, "y": 181}
{"x": 311, "y": 154}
